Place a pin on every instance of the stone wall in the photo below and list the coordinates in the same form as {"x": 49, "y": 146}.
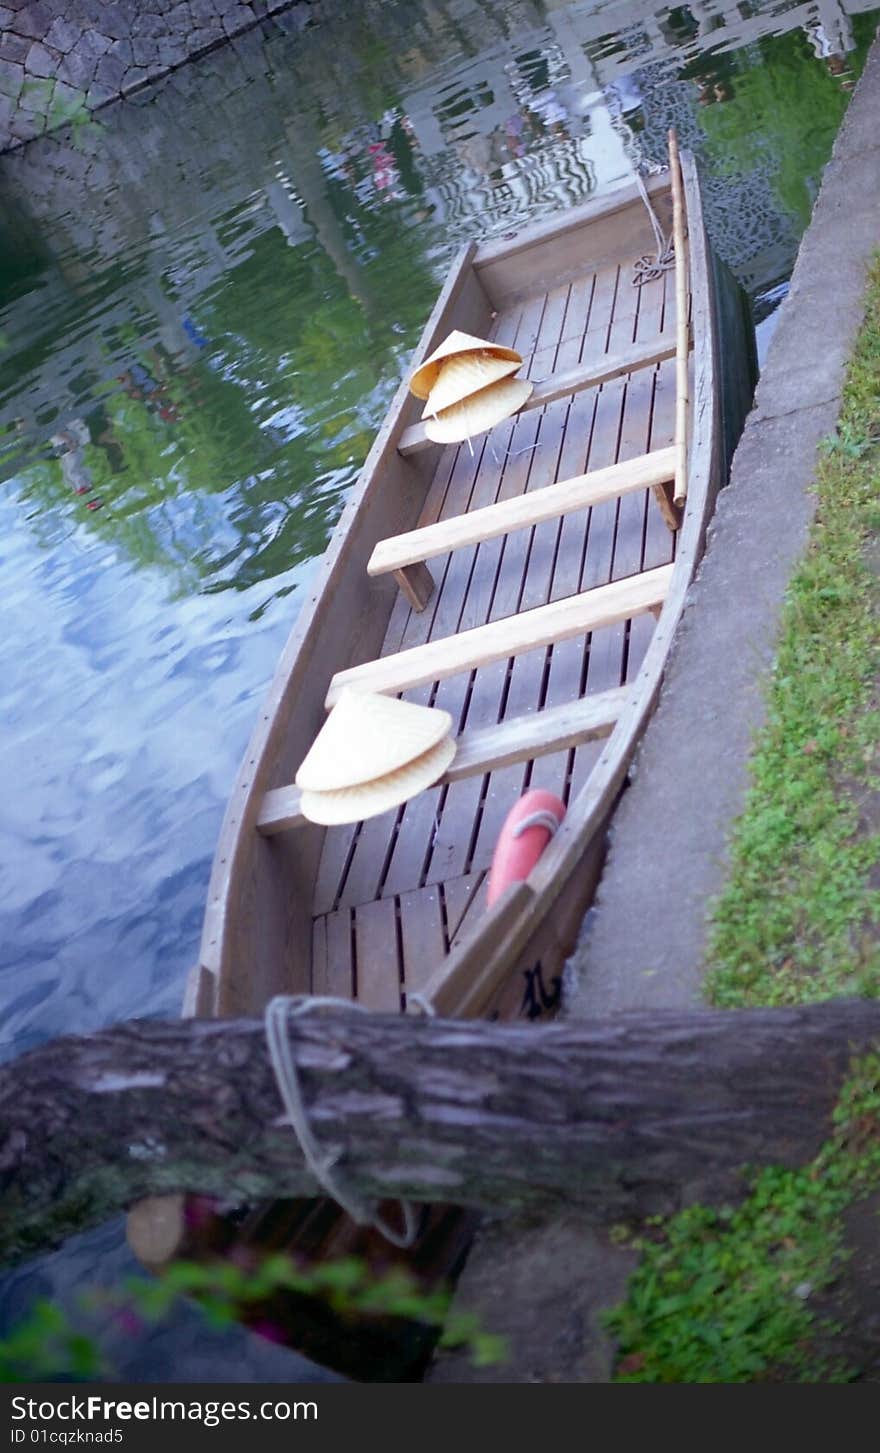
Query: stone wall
{"x": 60, "y": 60}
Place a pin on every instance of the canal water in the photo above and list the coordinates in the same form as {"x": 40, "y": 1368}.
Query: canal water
{"x": 207, "y": 297}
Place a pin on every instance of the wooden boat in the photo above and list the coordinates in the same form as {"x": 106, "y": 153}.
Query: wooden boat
{"x": 561, "y": 548}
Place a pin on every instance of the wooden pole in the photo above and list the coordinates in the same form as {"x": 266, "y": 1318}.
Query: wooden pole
{"x": 679, "y": 235}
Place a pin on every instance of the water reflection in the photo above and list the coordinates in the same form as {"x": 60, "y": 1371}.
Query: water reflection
{"x": 207, "y": 299}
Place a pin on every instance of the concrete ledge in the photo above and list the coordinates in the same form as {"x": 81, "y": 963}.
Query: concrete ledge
{"x": 644, "y": 942}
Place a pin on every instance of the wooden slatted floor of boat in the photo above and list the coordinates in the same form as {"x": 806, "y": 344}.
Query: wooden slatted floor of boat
{"x": 394, "y": 893}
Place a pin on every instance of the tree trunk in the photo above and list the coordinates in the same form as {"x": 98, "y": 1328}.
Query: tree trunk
{"x": 621, "y": 1117}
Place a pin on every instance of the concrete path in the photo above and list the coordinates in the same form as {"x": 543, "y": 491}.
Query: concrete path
{"x": 545, "y": 1286}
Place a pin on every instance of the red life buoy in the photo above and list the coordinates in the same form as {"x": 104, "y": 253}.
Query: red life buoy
{"x": 527, "y": 830}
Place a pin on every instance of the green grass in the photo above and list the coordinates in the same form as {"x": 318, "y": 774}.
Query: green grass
{"x": 727, "y": 1295}
{"x": 797, "y": 921}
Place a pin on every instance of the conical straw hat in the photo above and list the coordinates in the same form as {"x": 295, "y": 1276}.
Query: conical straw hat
{"x": 369, "y": 799}
{"x": 465, "y": 374}
{"x": 425, "y": 376}
{"x": 479, "y": 412}
{"x": 366, "y": 736}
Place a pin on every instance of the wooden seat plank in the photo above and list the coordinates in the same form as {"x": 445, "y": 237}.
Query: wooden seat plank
{"x": 547, "y": 503}
{"x": 559, "y": 620}
{"x": 521, "y": 739}
{"x": 568, "y": 381}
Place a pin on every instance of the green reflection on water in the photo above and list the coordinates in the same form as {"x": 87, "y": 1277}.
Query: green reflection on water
{"x": 783, "y": 113}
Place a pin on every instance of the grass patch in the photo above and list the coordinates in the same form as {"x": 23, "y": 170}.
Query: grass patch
{"x": 798, "y": 919}
{"x": 725, "y": 1295}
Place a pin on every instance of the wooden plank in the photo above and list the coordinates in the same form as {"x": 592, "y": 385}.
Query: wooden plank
{"x": 558, "y": 621}
{"x": 472, "y": 909}
{"x": 459, "y": 896}
{"x": 378, "y": 962}
{"x": 421, "y": 930}
{"x": 569, "y": 381}
{"x": 679, "y": 231}
{"x": 521, "y": 739}
{"x": 334, "y": 973}
{"x": 415, "y": 580}
{"x": 548, "y": 503}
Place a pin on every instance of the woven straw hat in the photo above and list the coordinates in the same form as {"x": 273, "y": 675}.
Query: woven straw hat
{"x": 465, "y": 374}
{"x": 479, "y": 412}
{"x": 369, "y": 799}
{"x": 365, "y": 737}
{"x": 425, "y": 376}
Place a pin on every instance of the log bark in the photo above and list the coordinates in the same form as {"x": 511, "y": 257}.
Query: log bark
{"x": 623, "y": 1117}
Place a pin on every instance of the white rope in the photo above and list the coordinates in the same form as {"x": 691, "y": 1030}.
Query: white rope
{"x": 321, "y": 1162}
{"x": 647, "y": 269}
{"x": 542, "y": 818}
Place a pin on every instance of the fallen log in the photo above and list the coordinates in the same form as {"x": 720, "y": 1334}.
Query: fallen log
{"x": 622, "y": 1117}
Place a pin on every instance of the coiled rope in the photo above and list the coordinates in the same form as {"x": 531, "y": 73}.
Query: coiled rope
{"x": 321, "y": 1162}
{"x": 647, "y": 269}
